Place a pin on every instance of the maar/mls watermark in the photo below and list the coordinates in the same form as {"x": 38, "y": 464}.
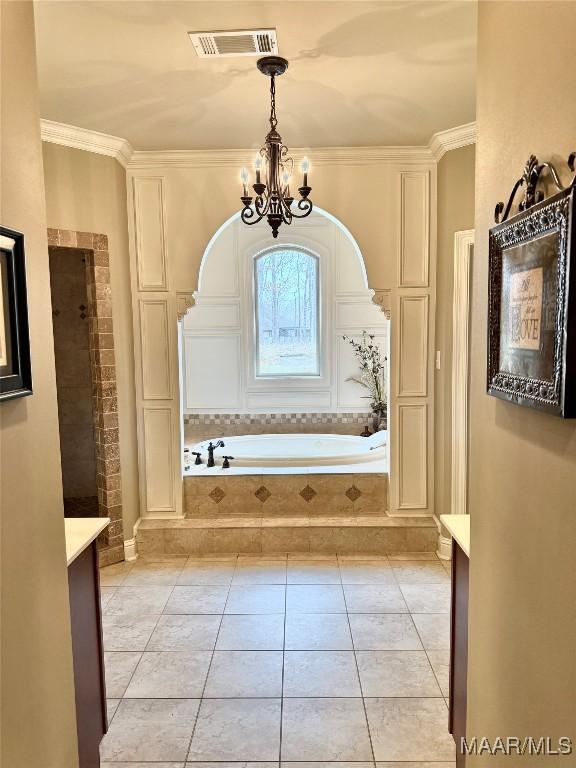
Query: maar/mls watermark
{"x": 515, "y": 745}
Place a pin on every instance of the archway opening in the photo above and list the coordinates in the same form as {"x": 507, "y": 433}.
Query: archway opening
{"x": 268, "y": 365}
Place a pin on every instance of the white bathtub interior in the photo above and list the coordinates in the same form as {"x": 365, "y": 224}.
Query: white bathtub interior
{"x": 296, "y": 454}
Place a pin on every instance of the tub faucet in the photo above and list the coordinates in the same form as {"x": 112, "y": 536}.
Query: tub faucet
{"x": 211, "y": 448}
{"x": 198, "y": 457}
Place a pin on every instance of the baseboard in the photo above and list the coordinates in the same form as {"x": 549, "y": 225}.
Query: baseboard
{"x": 444, "y": 550}
{"x": 130, "y": 547}
{"x": 130, "y": 552}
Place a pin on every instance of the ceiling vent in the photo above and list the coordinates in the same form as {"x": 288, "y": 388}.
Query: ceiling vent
{"x": 245, "y": 42}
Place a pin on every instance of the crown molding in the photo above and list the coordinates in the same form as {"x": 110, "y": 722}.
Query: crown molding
{"x": 121, "y": 150}
{"x": 90, "y": 141}
{"x": 453, "y": 138}
{"x": 235, "y": 158}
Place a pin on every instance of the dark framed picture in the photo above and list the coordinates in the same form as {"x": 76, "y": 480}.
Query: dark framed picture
{"x": 15, "y": 369}
{"x": 531, "y": 308}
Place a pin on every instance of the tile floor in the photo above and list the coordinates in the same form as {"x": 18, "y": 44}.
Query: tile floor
{"x": 291, "y": 661}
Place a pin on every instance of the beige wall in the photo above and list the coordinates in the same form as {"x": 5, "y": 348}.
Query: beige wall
{"x": 87, "y": 192}
{"x": 522, "y": 658}
{"x": 455, "y": 213}
{"x": 364, "y": 196}
{"x": 38, "y": 725}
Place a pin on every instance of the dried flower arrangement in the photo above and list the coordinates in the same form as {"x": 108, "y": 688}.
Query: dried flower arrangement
{"x": 371, "y": 377}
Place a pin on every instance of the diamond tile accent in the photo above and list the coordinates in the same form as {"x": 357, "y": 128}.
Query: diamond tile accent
{"x": 262, "y": 494}
{"x": 217, "y": 494}
{"x": 308, "y": 493}
{"x": 353, "y": 493}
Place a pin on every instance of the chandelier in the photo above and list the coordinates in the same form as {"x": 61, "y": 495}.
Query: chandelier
{"x": 274, "y": 165}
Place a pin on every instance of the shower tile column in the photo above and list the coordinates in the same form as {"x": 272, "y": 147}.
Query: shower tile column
{"x": 104, "y": 390}
{"x": 105, "y": 397}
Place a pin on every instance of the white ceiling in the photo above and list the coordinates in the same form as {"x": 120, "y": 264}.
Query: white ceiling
{"x": 392, "y": 72}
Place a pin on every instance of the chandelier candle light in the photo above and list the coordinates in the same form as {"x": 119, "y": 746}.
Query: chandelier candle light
{"x": 273, "y": 198}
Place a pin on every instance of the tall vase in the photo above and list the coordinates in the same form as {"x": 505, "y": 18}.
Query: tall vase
{"x": 379, "y": 420}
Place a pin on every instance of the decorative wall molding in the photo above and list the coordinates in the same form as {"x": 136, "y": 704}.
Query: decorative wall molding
{"x": 150, "y": 231}
{"x": 121, "y": 150}
{"x": 412, "y": 368}
{"x": 155, "y": 341}
{"x": 383, "y": 299}
{"x": 184, "y": 302}
{"x": 453, "y": 138}
{"x": 159, "y": 461}
{"x": 89, "y": 141}
{"x": 414, "y": 230}
{"x": 412, "y": 426}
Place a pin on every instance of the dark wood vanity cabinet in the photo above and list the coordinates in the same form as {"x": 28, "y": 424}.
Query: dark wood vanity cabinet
{"x": 88, "y": 655}
{"x": 459, "y": 648}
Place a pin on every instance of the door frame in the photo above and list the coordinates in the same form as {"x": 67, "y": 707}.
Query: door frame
{"x": 463, "y": 250}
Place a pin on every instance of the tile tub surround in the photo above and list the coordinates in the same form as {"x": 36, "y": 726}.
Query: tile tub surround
{"x": 207, "y": 426}
{"x": 264, "y": 660}
{"x": 302, "y": 511}
{"x": 94, "y": 248}
{"x": 299, "y": 493}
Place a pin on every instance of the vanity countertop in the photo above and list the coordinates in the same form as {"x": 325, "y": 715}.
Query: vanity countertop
{"x": 459, "y": 528}
{"x": 80, "y": 533}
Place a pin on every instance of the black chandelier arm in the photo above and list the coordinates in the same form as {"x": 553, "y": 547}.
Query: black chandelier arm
{"x": 262, "y": 204}
{"x": 305, "y": 206}
{"x": 249, "y": 216}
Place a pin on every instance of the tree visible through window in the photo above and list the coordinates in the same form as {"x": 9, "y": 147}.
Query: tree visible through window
{"x": 286, "y": 288}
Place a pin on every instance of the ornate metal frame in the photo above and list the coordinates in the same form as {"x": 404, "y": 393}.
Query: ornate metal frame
{"x": 273, "y": 198}
{"x": 536, "y": 219}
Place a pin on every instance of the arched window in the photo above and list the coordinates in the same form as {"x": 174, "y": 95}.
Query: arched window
{"x": 286, "y": 299}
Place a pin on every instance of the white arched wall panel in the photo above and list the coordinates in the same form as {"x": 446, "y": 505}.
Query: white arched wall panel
{"x": 397, "y": 225}
{"x": 217, "y": 386}
{"x": 346, "y": 308}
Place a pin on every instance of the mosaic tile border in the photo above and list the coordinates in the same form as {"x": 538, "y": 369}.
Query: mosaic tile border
{"x": 104, "y": 389}
{"x": 228, "y": 419}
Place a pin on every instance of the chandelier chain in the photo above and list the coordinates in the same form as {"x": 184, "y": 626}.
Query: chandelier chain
{"x": 273, "y": 120}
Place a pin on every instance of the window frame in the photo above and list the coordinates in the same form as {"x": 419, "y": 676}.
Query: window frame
{"x": 258, "y": 376}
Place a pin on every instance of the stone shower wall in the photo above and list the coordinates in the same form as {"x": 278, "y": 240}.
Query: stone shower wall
{"x": 104, "y": 391}
{"x": 70, "y": 324}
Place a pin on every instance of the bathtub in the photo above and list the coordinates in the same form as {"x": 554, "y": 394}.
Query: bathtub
{"x": 304, "y": 450}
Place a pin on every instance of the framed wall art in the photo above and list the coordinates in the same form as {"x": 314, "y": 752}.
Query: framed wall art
{"x": 532, "y": 301}
{"x": 15, "y": 368}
